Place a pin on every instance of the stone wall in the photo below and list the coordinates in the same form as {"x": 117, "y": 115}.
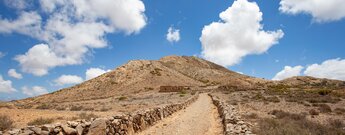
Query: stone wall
{"x": 173, "y": 88}
{"x": 233, "y": 125}
{"x": 127, "y": 124}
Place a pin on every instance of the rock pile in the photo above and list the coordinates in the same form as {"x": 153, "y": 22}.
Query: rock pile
{"x": 233, "y": 125}
{"x": 126, "y": 124}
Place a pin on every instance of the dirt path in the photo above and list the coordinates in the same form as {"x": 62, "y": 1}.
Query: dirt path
{"x": 200, "y": 118}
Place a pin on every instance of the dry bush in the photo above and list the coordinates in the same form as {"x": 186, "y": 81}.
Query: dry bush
{"x": 41, "y": 121}
{"x": 104, "y": 109}
{"x": 76, "y": 108}
{"x": 251, "y": 116}
{"x": 336, "y": 123}
{"x": 273, "y": 99}
{"x": 313, "y": 112}
{"x": 122, "y": 98}
{"x": 87, "y": 116}
{"x": 292, "y": 124}
{"x": 43, "y": 106}
{"x": 281, "y": 114}
{"x": 5, "y": 122}
{"x": 324, "y": 108}
{"x": 339, "y": 110}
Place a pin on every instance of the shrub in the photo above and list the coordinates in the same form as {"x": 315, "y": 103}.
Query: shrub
{"x": 41, "y": 121}
{"x": 76, "y": 108}
{"x": 313, "y": 112}
{"x": 60, "y": 108}
{"x": 281, "y": 114}
{"x": 43, "y": 106}
{"x": 87, "y": 116}
{"x": 274, "y": 99}
{"x": 286, "y": 126}
{"x": 251, "y": 116}
{"x": 339, "y": 110}
{"x": 336, "y": 123}
{"x": 5, "y": 122}
{"x": 183, "y": 92}
{"x": 122, "y": 98}
{"x": 104, "y": 109}
{"x": 324, "y": 108}
{"x": 324, "y": 92}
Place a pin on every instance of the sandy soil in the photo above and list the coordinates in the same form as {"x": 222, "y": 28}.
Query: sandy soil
{"x": 134, "y": 102}
{"x": 200, "y": 118}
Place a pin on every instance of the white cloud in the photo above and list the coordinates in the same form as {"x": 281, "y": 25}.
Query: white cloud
{"x": 331, "y": 69}
{"x": 34, "y": 91}
{"x": 68, "y": 79}
{"x": 288, "y": 72}
{"x": 321, "y": 10}
{"x": 237, "y": 34}
{"x": 2, "y": 54}
{"x": 173, "y": 35}
{"x": 70, "y": 29}
{"x": 18, "y": 4}
{"x": 28, "y": 23}
{"x": 94, "y": 72}
{"x": 39, "y": 59}
{"x": 6, "y": 86}
{"x": 13, "y": 73}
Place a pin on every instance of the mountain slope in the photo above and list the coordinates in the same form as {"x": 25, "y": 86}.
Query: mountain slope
{"x": 148, "y": 75}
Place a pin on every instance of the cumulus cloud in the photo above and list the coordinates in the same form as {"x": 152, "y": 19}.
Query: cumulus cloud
{"x": 94, "y": 72}
{"x": 70, "y": 29}
{"x": 320, "y": 10}
{"x": 288, "y": 72}
{"x": 18, "y": 4}
{"x": 34, "y": 91}
{"x": 68, "y": 79}
{"x": 237, "y": 34}
{"x": 13, "y": 73}
{"x": 173, "y": 35}
{"x": 6, "y": 86}
{"x": 331, "y": 69}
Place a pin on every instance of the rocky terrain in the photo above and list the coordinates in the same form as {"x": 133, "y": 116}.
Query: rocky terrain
{"x": 246, "y": 105}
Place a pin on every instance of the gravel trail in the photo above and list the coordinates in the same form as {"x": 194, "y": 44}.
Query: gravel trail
{"x": 200, "y": 118}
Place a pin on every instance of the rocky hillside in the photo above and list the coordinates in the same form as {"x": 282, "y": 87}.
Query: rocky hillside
{"x": 148, "y": 75}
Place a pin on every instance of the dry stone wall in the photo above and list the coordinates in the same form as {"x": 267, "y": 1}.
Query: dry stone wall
{"x": 127, "y": 124}
{"x": 232, "y": 122}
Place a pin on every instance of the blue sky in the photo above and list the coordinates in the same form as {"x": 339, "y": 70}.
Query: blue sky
{"x": 303, "y": 40}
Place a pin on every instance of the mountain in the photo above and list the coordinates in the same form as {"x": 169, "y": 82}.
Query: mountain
{"x": 148, "y": 75}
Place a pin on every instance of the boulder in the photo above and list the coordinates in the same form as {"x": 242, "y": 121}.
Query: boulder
{"x": 98, "y": 127}
{"x": 68, "y": 130}
{"x": 79, "y": 129}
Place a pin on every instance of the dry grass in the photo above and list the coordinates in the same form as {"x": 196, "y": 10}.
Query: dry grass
{"x": 43, "y": 106}
{"x": 5, "y": 122}
{"x": 324, "y": 108}
{"x": 41, "y": 121}
{"x": 296, "y": 124}
{"x": 339, "y": 111}
{"x": 251, "y": 116}
{"x": 87, "y": 116}
{"x": 76, "y": 108}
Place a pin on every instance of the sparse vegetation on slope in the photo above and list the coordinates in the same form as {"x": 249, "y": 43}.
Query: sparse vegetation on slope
{"x": 5, "y": 122}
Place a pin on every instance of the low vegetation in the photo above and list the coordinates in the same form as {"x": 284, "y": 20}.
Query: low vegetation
{"x": 87, "y": 116}
{"x": 76, "y": 108}
{"x": 43, "y": 106}
{"x": 122, "y": 98}
{"x": 41, "y": 121}
{"x": 296, "y": 124}
{"x": 5, "y": 122}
